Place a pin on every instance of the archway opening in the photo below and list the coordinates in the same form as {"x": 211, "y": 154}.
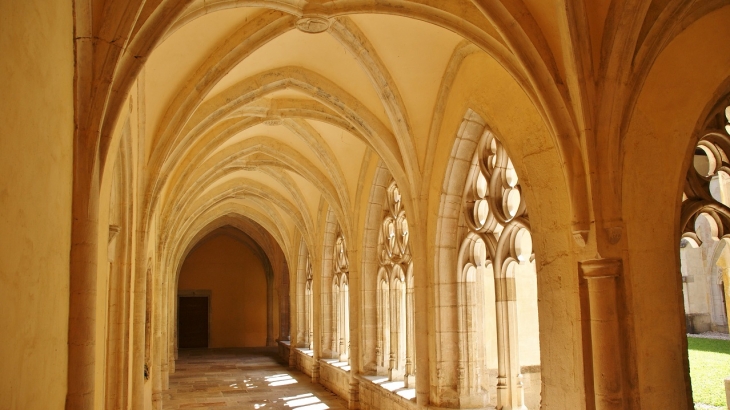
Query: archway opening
{"x": 225, "y": 275}
{"x": 705, "y": 260}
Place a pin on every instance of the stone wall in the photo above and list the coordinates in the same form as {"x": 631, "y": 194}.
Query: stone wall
{"x": 334, "y": 378}
{"x": 36, "y": 181}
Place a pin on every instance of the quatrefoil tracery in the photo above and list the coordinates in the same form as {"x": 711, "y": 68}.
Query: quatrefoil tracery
{"x": 341, "y": 263}
{"x": 495, "y": 210}
{"x": 698, "y": 198}
{"x": 393, "y": 243}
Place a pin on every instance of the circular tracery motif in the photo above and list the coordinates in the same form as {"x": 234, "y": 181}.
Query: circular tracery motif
{"x": 702, "y": 192}
{"x": 340, "y": 298}
{"x": 342, "y": 265}
{"x": 495, "y": 196}
{"x": 494, "y": 204}
{"x": 393, "y": 244}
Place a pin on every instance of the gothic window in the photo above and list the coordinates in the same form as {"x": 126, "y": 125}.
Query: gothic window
{"x": 341, "y": 300}
{"x": 705, "y": 225}
{"x": 497, "y": 281}
{"x": 308, "y": 306}
{"x": 395, "y": 349}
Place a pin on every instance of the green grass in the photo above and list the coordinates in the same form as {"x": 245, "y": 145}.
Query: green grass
{"x": 709, "y": 365}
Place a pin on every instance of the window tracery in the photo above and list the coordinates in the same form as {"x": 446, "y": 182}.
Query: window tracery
{"x": 497, "y": 248}
{"x": 395, "y": 348}
{"x": 705, "y": 226}
{"x": 341, "y": 300}
{"x": 705, "y": 190}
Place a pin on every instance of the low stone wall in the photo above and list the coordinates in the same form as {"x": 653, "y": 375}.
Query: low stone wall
{"x": 303, "y": 361}
{"x": 334, "y": 378}
{"x": 531, "y": 384}
{"x": 375, "y": 397}
{"x": 284, "y": 350}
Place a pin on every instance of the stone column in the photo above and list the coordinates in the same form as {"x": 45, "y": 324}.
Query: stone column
{"x": 397, "y": 313}
{"x": 510, "y": 390}
{"x": 601, "y": 276}
{"x": 410, "y": 375}
{"x": 172, "y": 323}
{"x": 116, "y": 354}
{"x": 269, "y": 307}
{"x": 82, "y": 282}
{"x": 164, "y": 335}
{"x": 156, "y": 359}
{"x": 317, "y": 337}
{"x": 139, "y": 312}
{"x": 284, "y": 309}
{"x": 335, "y": 311}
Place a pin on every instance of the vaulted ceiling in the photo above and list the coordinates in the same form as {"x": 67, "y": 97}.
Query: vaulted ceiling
{"x": 274, "y": 108}
{"x": 277, "y": 113}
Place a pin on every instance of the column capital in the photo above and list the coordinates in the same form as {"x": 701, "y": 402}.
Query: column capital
{"x": 601, "y": 268}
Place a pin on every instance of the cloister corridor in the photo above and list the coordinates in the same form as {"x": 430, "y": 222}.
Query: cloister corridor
{"x": 361, "y": 204}
{"x": 244, "y": 378}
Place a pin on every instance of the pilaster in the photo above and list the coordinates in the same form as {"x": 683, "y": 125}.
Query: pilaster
{"x": 601, "y": 276}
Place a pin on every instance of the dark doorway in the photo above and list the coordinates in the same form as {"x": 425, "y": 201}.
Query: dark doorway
{"x": 192, "y": 313}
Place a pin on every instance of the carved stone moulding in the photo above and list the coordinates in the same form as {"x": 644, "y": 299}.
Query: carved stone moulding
{"x": 313, "y": 24}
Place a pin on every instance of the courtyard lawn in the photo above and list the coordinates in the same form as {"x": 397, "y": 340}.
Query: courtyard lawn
{"x": 709, "y": 365}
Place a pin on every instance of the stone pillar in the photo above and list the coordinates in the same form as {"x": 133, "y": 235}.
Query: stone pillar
{"x": 269, "y": 307}
{"x": 397, "y": 313}
{"x": 82, "y": 283}
{"x": 115, "y": 388}
{"x": 727, "y": 392}
{"x": 410, "y": 375}
{"x": 284, "y": 309}
{"x": 510, "y": 389}
{"x": 139, "y": 312}
{"x": 354, "y": 390}
{"x": 310, "y": 320}
{"x": 344, "y": 320}
{"x": 164, "y": 325}
{"x": 156, "y": 359}
{"x": 354, "y": 327}
{"x": 600, "y": 276}
{"x": 172, "y": 323}
{"x": 317, "y": 337}
{"x": 335, "y": 310}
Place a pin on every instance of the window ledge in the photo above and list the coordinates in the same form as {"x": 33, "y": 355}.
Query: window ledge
{"x": 337, "y": 364}
{"x": 392, "y": 386}
{"x": 305, "y": 351}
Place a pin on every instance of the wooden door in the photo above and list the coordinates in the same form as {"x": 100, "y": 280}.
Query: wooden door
{"x": 192, "y": 313}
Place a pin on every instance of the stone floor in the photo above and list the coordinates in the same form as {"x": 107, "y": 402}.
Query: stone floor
{"x": 250, "y": 378}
